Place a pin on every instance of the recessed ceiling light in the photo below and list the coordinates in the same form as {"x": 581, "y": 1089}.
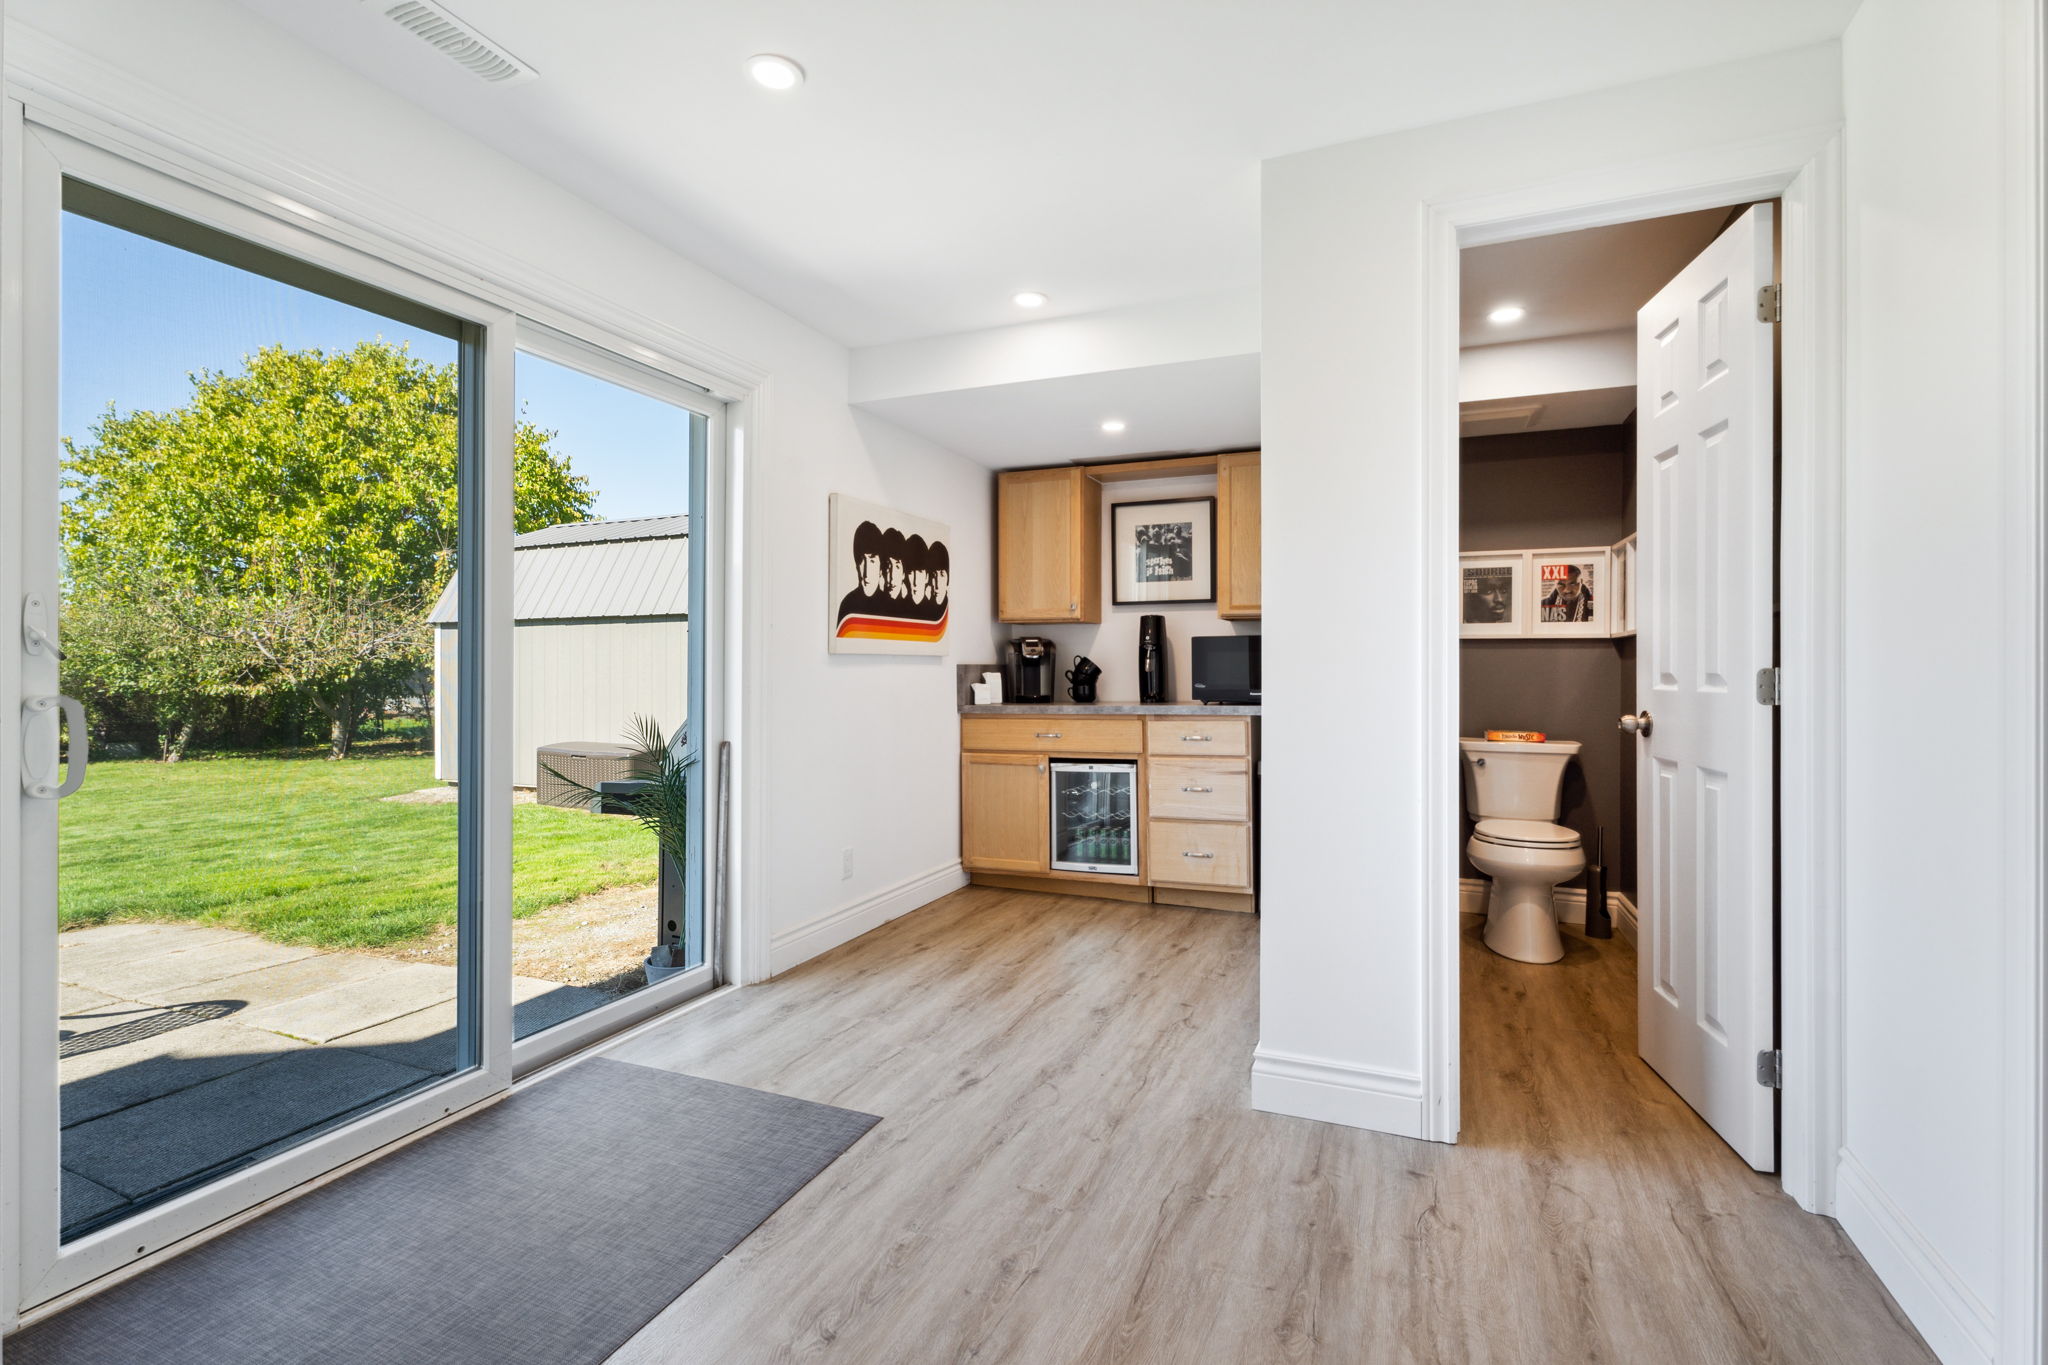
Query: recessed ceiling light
{"x": 1029, "y": 298}
{"x": 1506, "y": 313}
{"x": 774, "y": 71}
{"x": 1114, "y": 426}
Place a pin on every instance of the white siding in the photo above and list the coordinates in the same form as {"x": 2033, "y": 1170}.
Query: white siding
{"x": 573, "y": 680}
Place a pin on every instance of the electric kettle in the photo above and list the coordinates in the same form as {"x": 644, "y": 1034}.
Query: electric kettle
{"x": 1081, "y": 679}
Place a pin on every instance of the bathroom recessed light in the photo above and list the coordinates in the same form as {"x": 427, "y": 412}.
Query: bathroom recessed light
{"x": 775, "y": 71}
{"x": 1114, "y": 426}
{"x": 1506, "y": 313}
{"x": 1028, "y": 298}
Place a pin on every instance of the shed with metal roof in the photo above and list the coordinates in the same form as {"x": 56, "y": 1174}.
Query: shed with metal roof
{"x": 600, "y": 634}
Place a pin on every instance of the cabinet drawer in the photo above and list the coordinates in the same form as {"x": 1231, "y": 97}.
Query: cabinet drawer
{"x": 1199, "y": 789}
{"x": 1199, "y": 737}
{"x": 1053, "y": 734}
{"x": 1189, "y": 853}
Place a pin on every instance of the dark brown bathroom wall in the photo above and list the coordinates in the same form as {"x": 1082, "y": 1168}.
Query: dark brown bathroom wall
{"x": 1554, "y": 489}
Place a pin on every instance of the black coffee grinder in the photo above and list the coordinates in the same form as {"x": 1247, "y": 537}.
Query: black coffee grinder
{"x": 1152, "y": 659}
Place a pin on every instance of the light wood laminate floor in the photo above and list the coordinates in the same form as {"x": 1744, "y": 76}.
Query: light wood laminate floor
{"x": 1067, "y": 1170}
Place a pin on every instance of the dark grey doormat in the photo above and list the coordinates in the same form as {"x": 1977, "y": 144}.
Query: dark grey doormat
{"x": 547, "y": 1229}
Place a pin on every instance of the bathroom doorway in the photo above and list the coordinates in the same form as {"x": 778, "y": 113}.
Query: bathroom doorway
{"x": 1617, "y": 520}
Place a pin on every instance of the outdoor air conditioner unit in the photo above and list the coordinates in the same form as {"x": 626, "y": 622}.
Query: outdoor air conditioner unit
{"x": 586, "y": 763}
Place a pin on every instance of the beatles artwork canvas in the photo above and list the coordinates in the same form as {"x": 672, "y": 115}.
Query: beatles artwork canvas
{"x": 892, "y": 581}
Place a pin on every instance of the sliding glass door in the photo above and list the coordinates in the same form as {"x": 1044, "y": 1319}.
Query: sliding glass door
{"x": 253, "y": 904}
{"x": 608, "y": 693}
{"x": 368, "y": 745}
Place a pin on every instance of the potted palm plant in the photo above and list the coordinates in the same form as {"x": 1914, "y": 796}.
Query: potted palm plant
{"x": 656, "y": 792}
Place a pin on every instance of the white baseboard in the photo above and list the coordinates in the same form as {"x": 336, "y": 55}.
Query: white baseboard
{"x": 1337, "y": 1092}
{"x": 1570, "y": 902}
{"x": 1957, "y": 1324}
{"x": 805, "y": 941}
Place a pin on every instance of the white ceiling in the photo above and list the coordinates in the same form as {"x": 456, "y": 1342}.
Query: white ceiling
{"x": 1592, "y": 280}
{"x": 943, "y": 156}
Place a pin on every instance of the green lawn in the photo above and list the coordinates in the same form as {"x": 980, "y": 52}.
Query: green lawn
{"x": 302, "y": 850}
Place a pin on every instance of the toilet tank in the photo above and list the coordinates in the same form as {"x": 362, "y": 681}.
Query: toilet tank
{"x": 1511, "y": 781}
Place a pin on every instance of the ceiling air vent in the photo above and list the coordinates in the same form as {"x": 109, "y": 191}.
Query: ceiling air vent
{"x": 459, "y": 42}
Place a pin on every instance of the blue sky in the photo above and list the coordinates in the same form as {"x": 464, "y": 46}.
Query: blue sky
{"x": 139, "y": 316}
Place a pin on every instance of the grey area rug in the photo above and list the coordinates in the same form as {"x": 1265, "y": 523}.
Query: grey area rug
{"x": 547, "y": 1229}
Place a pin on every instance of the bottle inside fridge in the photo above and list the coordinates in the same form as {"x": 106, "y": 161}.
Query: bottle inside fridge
{"x": 1095, "y": 817}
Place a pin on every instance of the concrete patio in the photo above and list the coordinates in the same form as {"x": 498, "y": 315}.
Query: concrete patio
{"x": 185, "y": 1049}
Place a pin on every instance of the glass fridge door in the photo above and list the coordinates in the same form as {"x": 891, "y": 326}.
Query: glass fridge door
{"x": 1095, "y": 818}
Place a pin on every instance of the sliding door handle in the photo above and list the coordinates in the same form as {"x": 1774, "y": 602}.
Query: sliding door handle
{"x": 45, "y": 785}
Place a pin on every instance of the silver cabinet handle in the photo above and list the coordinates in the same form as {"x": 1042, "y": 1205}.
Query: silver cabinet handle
{"x": 1196, "y": 739}
{"x": 1050, "y": 734}
{"x": 46, "y": 786}
{"x": 1198, "y": 789}
{"x": 1197, "y": 855}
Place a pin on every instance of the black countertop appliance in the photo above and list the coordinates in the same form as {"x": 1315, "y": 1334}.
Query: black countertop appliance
{"x": 1152, "y": 659}
{"x": 1029, "y": 670}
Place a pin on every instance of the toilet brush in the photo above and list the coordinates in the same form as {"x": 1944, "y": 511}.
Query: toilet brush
{"x": 1599, "y": 924}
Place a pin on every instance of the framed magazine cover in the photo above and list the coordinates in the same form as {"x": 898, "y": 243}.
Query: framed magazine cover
{"x": 1569, "y": 591}
{"x": 1493, "y": 594}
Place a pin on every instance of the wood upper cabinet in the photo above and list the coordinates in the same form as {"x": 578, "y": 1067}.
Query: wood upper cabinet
{"x": 1003, "y": 815}
{"x": 1048, "y": 546}
{"x": 1237, "y": 536}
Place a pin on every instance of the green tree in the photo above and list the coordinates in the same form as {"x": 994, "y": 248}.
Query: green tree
{"x": 338, "y": 467}
{"x": 130, "y": 657}
{"x": 299, "y": 514}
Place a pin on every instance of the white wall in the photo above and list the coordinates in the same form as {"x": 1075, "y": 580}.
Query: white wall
{"x": 1939, "y": 1185}
{"x": 852, "y": 752}
{"x": 1924, "y": 1186}
{"x": 1514, "y": 369}
{"x": 1342, "y": 952}
{"x": 1114, "y": 642}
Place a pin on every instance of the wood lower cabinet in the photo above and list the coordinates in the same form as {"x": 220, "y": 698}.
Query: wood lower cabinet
{"x": 1206, "y": 854}
{"x": 1048, "y": 546}
{"x": 1237, "y": 536}
{"x": 1196, "y": 776}
{"x": 1003, "y": 812}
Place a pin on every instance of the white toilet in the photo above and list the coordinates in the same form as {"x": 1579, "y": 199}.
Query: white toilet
{"x": 1513, "y": 791}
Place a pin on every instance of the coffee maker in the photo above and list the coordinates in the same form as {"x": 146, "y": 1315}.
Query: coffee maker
{"x": 1028, "y": 669}
{"x": 1152, "y": 659}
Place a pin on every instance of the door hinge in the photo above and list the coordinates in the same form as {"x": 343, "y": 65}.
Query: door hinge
{"x": 1767, "y": 686}
{"x": 1770, "y": 303}
{"x": 1770, "y": 1069}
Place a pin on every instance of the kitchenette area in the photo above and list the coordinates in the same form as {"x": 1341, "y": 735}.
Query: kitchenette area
{"x": 1114, "y": 750}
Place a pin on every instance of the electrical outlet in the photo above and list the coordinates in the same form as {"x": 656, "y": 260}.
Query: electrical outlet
{"x": 845, "y": 864}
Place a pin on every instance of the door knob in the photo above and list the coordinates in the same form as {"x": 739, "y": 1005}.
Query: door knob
{"x": 1636, "y": 725}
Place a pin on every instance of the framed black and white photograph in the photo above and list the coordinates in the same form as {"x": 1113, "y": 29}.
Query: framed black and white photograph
{"x": 1493, "y": 594}
{"x": 1163, "y": 551}
{"x": 1570, "y": 588}
{"x": 891, "y": 580}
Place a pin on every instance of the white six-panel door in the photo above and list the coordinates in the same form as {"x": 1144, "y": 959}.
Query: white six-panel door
{"x": 1704, "y": 469}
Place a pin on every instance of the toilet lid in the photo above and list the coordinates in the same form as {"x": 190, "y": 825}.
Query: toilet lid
{"x": 1526, "y": 834}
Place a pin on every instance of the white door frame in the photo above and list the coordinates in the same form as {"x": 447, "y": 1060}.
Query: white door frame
{"x": 1804, "y": 169}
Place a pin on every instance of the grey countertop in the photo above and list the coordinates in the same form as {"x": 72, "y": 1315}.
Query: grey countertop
{"x": 1107, "y": 708}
